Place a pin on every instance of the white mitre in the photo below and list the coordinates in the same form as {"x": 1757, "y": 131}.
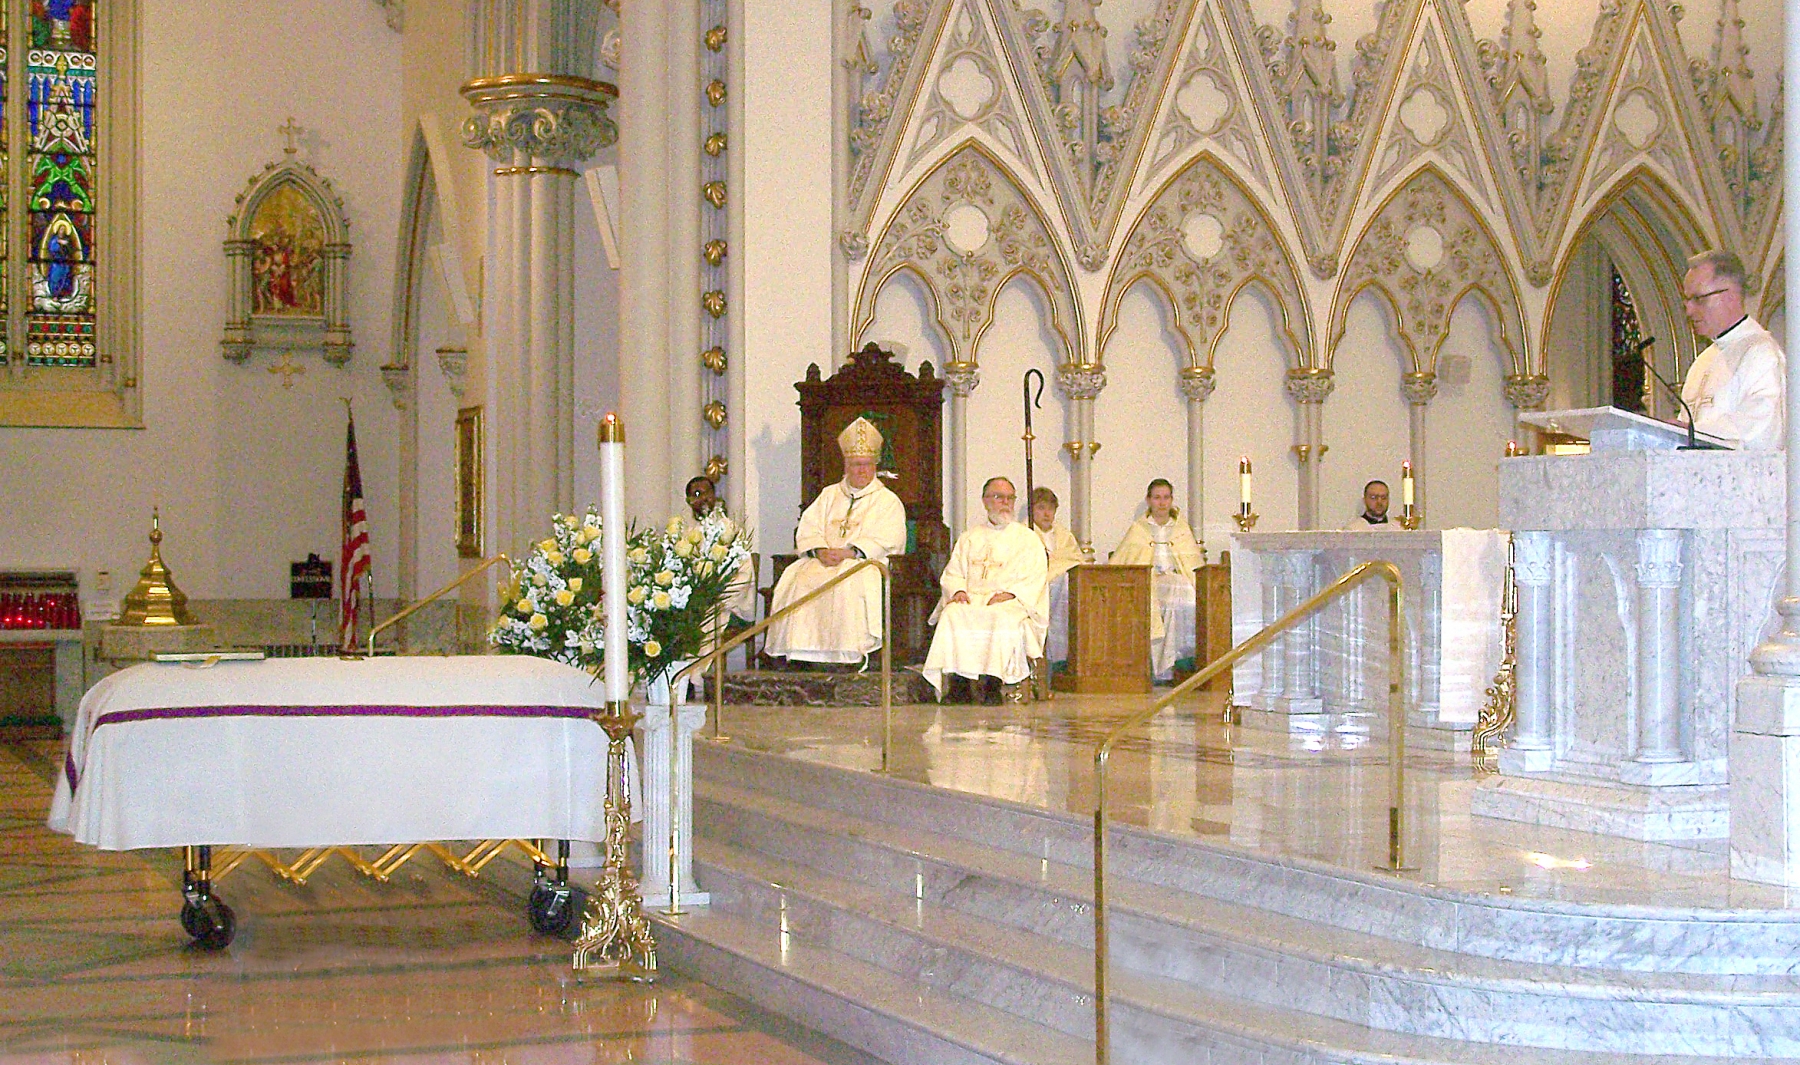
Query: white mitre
{"x": 860, "y": 439}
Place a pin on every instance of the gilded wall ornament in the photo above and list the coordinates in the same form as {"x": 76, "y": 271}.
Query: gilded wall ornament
{"x": 530, "y": 125}
{"x": 715, "y": 38}
{"x": 713, "y": 144}
{"x": 1527, "y": 391}
{"x": 1197, "y": 383}
{"x": 287, "y": 253}
{"x": 964, "y": 378}
{"x": 1310, "y": 384}
{"x": 714, "y": 414}
{"x": 713, "y": 251}
{"x": 713, "y": 302}
{"x": 713, "y": 192}
{"x": 715, "y": 92}
{"x": 1419, "y": 387}
{"x": 1081, "y": 382}
{"x": 714, "y": 359}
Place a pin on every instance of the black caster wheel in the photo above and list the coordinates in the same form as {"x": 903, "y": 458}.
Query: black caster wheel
{"x": 211, "y": 923}
{"x": 554, "y": 911}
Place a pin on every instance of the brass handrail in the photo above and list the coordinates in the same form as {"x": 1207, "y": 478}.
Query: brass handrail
{"x": 716, "y": 658}
{"x": 1396, "y": 741}
{"x": 486, "y": 564}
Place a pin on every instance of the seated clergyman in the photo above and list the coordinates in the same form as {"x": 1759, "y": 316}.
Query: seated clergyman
{"x": 1163, "y": 541}
{"x": 740, "y": 600}
{"x": 991, "y": 617}
{"x": 856, "y": 518}
{"x": 1375, "y": 507}
{"x": 1064, "y": 554}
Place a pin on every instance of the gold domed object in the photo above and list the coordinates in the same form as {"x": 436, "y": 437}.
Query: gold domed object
{"x": 156, "y": 600}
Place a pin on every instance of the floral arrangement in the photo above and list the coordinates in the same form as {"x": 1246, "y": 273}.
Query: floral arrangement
{"x": 677, "y": 581}
{"x": 552, "y": 607}
{"x": 677, "y": 578}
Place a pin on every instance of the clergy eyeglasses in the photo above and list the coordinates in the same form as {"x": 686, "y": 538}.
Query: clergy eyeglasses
{"x": 1703, "y": 296}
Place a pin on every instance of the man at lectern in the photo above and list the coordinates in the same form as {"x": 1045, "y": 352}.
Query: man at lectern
{"x": 1735, "y": 387}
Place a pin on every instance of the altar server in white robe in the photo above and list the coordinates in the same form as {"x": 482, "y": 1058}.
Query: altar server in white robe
{"x": 1064, "y": 554}
{"x": 995, "y": 606}
{"x": 856, "y": 518}
{"x": 1163, "y": 541}
{"x": 1736, "y": 387}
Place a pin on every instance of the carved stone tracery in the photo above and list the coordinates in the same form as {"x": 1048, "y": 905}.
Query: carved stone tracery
{"x": 1424, "y": 252}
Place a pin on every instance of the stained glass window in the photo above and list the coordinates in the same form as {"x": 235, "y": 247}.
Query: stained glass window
{"x": 1628, "y": 378}
{"x": 59, "y": 183}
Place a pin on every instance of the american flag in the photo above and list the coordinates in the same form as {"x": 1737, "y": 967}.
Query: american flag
{"x": 353, "y": 563}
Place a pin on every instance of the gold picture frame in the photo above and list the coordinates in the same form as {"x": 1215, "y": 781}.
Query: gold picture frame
{"x": 468, "y": 482}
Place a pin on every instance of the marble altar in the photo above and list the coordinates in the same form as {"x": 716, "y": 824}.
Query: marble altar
{"x": 1645, "y": 578}
{"x": 1330, "y": 672}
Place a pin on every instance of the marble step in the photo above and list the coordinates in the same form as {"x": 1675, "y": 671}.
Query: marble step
{"x": 931, "y": 1017}
{"x": 1628, "y": 938}
{"x": 940, "y": 909}
{"x": 897, "y": 1020}
{"x": 768, "y": 687}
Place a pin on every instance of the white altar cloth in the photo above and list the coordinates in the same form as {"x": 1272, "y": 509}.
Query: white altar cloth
{"x": 308, "y": 752}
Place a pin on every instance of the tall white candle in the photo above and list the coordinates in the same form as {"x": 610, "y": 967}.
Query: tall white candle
{"x": 612, "y": 553}
{"x": 1244, "y": 483}
{"x": 1406, "y": 485}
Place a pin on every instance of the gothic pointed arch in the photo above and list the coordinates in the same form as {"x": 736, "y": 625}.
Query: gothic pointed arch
{"x": 965, "y": 230}
{"x": 1200, "y": 242}
{"x": 1642, "y": 230}
{"x": 1424, "y": 251}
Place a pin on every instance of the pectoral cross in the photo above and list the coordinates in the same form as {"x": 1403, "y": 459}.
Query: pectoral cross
{"x": 844, "y": 523}
{"x": 986, "y": 563}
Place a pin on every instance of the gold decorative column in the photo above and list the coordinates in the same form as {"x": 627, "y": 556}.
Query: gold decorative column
{"x": 715, "y": 240}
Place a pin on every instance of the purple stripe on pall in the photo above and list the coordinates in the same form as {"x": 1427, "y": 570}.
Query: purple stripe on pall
{"x": 163, "y": 713}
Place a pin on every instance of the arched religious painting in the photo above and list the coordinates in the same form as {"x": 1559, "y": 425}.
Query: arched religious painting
{"x": 289, "y": 253}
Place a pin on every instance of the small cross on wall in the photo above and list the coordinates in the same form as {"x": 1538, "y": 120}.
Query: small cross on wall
{"x": 287, "y": 368}
{"x": 291, "y": 132}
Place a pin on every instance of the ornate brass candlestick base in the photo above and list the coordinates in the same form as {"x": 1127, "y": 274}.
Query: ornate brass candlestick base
{"x": 1409, "y": 522}
{"x": 615, "y": 936}
{"x": 1245, "y": 522}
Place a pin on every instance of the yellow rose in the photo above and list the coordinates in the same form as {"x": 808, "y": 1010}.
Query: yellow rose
{"x": 694, "y": 535}
{"x": 683, "y": 549}
{"x": 555, "y": 558}
{"x": 575, "y": 583}
{"x": 636, "y": 595}
{"x": 588, "y": 534}
{"x": 719, "y": 552}
{"x": 572, "y": 522}
{"x": 546, "y": 545}
{"x": 661, "y": 601}
{"x": 565, "y": 597}
{"x": 538, "y": 621}
{"x": 526, "y": 606}
{"x": 582, "y": 555}
{"x": 703, "y": 569}
{"x": 537, "y": 580}
{"x": 675, "y": 526}
{"x": 652, "y": 648}
{"x": 664, "y": 577}
{"x": 639, "y": 555}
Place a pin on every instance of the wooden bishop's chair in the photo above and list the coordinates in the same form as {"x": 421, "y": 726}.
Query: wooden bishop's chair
{"x": 908, "y": 410}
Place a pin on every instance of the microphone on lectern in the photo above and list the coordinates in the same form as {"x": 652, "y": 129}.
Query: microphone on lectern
{"x": 1643, "y": 358}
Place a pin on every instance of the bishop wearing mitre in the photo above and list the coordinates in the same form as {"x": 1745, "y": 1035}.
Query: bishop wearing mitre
{"x": 856, "y": 518}
{"x": 995, "y": 607}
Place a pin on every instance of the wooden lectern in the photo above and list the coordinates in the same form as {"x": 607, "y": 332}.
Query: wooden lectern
{"x": 1109, "y": 631}
{"x": 1212, "y": 618}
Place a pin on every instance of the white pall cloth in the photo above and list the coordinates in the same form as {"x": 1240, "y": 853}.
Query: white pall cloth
{"x": 844, "y": 624}
{"x": 979, "y": 638}
{"x": 310, "y": 752}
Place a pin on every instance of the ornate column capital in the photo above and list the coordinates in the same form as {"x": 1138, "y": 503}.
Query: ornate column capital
{"x": 1419, "y": 387}
{"x": 1081, "y": 381}
{"x": 1197, "y": 383}
{"x": 1310, "y": 384}
{"x": 1659, "y": 558}
{"x": 1532, "y": 558}
{"x": 1527, "y": 391}
{"x": 454, "y": 362}
{"x": 399, "y": 381}
{"x": 964, "y": 378}
{"x": 539, "y": 120}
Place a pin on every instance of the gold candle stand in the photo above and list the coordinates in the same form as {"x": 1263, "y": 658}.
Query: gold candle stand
{"x": 615, "y": 935}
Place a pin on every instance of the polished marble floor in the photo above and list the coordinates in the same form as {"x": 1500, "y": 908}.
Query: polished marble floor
{"x": 431, "y": 969}
{"x": 1318, "y": 796}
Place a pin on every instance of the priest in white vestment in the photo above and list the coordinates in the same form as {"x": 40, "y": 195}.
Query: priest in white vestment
{"x": 1164, "y": 542}
{"x": 1737, "y": 386}
{"x": 1064, "y": 554}
{"x": 991, "y": 617}
{"x": 856, "y": 518}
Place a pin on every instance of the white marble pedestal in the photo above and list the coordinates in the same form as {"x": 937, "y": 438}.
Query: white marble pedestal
{"x": 1645, "y": 578}
{"x": 669, "y": 792}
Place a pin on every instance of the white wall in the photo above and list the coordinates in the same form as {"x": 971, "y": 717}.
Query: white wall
{"x": 1140, "y": 419}
{"x": 247, "y": 473}
{"x": 1250, "y": 414}
{"x": 1365, "y": 418}
{"x": 1020, "y": 339}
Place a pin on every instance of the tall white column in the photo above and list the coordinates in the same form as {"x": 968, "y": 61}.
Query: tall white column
{"x": 964, "y": 378}
{"x": 538, "y": 115}
{"x": 1309, "y": 385}
{"x": 1530, "y": 750}
{"x": 1420, "y": 389}
{"x": 1765, "y": 741}
{"x": 1081, "y": 384}
{"x": 1196, "y": 385}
